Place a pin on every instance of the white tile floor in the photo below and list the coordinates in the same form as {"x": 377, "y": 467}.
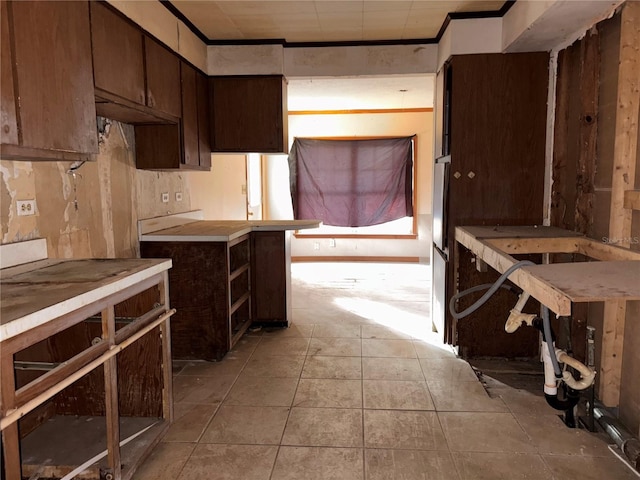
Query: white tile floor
{"x": 358, "y": 388}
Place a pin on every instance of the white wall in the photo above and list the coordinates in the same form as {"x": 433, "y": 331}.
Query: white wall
{"x": 220, "y": 193}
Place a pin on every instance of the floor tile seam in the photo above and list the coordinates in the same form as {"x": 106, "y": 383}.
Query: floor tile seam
{"x": 577, "y": 455}
{"x": 286, "y": 423}
{"x": 363, "y": 433}
{"x": 246, "y": 361}
{"x": 208, "y": 423}
{"x": 184, "y": 465}
{"x": 362, "y": 397}
{"x": 226, "y": 395}
{"x": 493, "y": 412}
{"x": 532, "y": 442}
{"x": 408, "y": 449}
{"x": 403, "y": 409}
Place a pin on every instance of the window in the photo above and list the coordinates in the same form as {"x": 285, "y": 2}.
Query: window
{"x": 357, "y": 187}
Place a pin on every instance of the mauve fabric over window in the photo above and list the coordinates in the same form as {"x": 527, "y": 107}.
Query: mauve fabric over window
{"x": 352, "y": 183}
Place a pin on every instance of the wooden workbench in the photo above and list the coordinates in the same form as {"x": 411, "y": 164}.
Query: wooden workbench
{"x": 611, "y": 276}
{"x": 45, "y": 307}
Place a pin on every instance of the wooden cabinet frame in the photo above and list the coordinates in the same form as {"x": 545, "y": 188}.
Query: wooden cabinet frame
{"x": 18, "y": 402}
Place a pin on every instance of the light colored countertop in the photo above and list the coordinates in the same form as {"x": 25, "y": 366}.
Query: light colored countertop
{"x": 35, "y": 293}
{"x": 612, "y": 276}
{"x": 223, "y": 230}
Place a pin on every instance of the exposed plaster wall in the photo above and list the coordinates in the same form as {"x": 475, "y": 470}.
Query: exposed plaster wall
{"x": 111, "y": 195}
{"x": 362, "y": 60}
{"x": 245, "y": 59}
{"x": 547, "y": 25}
{"x": 219, "y": 193}
{"x": 473, "y": 35}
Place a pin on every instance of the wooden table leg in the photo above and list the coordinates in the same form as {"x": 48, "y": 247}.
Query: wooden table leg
{"x": 10, "y": 435}
{"x": 167, "y": 368}
{"x": 111, "y": 396}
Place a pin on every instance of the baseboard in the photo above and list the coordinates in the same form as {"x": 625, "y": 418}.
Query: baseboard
{"x": 357, "y": 259}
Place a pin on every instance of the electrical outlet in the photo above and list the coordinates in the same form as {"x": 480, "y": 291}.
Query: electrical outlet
{"x": 26, "y": 207}
{"x": 332, "y": 242}
{"x": 316, "y": 245}
{"x": 165, "y": 197}
{"x": 178, "y": 196}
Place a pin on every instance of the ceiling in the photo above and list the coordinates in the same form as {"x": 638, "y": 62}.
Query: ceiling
{"x": 330, "y": 22}
{"x": 360, "y": 93}
{"x": 304, "y": 21}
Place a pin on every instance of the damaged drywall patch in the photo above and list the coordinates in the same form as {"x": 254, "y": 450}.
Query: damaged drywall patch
{"x": 18, "y": 184}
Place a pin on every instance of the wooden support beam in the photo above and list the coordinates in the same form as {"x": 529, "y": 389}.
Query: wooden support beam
{"x": 632, "y": 199}
{"x": 514, "y": 246}
{"x": 611, "y": 356}
{"x": 624, "y": 169}
{"x": 167, "y": 369}
{"x": 500, "y": 261}
{"x": 587, "y": 134}
{"x": 625, "y": 150}
{"x": 605, "y": 251}
{"x": 112, "y": 413}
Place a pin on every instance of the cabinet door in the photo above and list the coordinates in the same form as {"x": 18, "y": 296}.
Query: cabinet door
{"x": 203, "y": 120}
{"x": 118, "y": 66}
{"x": 9, "y": 126}
{"x": 54, "y": 76}
{"x": 248, "y": 114}
{"x": 163, "y": 78}
{"x": 189, "y": 115}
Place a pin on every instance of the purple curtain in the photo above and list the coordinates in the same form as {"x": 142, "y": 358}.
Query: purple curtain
{"x": 351, "y": 183}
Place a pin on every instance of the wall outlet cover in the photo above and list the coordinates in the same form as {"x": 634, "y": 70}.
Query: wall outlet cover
{"x": 165, "y": 197}
{"x": 26, "y": 207}
{"x": 178, "y": 196}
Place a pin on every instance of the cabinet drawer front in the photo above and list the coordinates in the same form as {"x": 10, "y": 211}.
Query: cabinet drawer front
{"x": 118, "y": 64}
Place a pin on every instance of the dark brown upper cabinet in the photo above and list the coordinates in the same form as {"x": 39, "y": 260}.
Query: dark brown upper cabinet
{"x": 48, "y": 110}
{"x": 163, "y": 78}
{"x": 118, "y": 66}
{"x": 249, "y": 114}
{"x": 202, "y": 89}
{"x": 137, "y": 80}
{"x": 184, "y": 145}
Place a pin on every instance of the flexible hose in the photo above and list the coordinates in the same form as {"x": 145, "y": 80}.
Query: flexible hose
{"x": 493, "y": 288}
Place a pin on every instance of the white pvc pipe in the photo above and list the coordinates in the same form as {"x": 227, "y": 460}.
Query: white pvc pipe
{"x": 587, "y": 376}
{"x": 550, "y": 381}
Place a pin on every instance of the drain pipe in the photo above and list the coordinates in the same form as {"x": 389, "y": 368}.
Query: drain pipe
{"x": 628, "y": 444}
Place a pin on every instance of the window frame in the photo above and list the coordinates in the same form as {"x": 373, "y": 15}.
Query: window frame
{"x": 414, "y": 199}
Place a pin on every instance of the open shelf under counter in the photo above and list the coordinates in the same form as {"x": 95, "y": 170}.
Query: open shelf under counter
{"x": 84, "y": 338}
{"x": 227, "y": 275}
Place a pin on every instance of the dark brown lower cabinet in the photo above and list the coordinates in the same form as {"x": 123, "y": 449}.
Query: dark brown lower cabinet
{"x": 210, "y": 289}
{"x": 220, "y": 288}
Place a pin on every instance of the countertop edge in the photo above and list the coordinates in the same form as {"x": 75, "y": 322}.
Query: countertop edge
{"x": 36, "y": 319}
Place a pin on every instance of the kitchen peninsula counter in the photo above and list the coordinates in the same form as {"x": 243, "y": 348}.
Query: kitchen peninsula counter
{"x": 227, "y": 276}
